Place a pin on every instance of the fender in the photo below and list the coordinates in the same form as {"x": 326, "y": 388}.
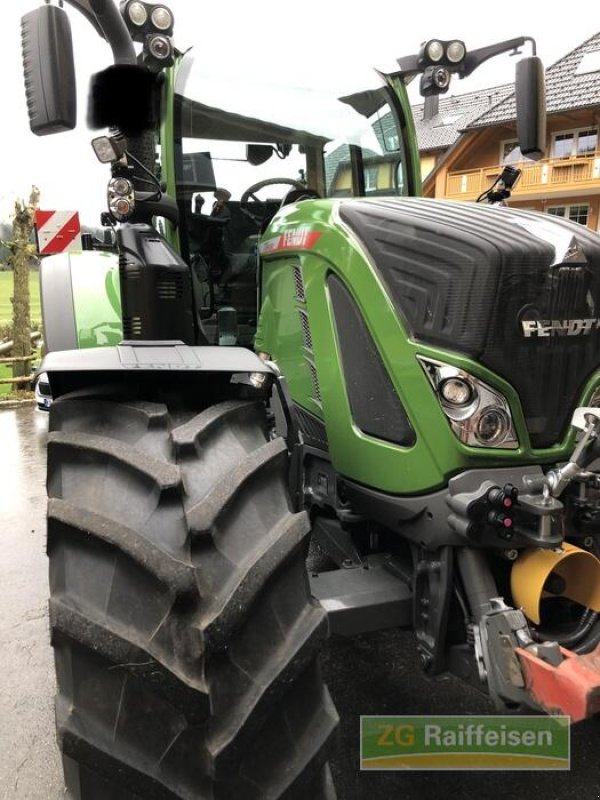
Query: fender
{"x": 81, "y": 300}
{"x": 73, "y": 370}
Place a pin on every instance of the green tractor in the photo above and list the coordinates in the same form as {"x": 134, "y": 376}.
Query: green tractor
{"x": 310, "y": 351}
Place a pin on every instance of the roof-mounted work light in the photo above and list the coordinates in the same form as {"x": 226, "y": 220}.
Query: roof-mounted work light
{"x": 144, "y": 19}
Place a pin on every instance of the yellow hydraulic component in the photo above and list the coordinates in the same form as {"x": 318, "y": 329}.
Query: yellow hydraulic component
{"x": 579, "y": 570}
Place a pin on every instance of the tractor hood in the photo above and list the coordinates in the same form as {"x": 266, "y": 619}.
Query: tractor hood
{"x": 516, "y": 291}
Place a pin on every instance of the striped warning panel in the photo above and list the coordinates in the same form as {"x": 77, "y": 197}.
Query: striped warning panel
{"x": 57, "y": 231}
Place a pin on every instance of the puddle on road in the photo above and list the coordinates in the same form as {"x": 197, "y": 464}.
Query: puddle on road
{"x": 23, "y": 434}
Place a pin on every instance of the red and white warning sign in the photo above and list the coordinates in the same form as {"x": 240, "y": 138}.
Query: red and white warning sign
{"x": 57, "y": 231}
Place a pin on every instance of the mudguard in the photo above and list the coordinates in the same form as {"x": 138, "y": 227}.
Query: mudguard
{"x": 72, "y": 370}
{"x": 81, "y": 300}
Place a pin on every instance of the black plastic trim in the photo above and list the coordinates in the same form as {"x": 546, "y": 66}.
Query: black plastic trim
{"x": 154, "y": 357}
{"x": 313, "y": 429}
{"x": 375, "y": 406}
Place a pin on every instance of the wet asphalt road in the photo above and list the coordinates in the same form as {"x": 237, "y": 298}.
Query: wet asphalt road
{"x": 29, "y": 763}
{"x": 374, "y": 674}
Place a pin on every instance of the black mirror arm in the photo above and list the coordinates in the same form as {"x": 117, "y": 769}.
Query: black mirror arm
{"x": 475, "y": 58}
{"x": 411, "y": 65}
{"x": 107, "y": 20}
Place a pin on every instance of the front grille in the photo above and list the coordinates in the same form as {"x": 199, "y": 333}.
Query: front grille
{"x": 568, "y": 289}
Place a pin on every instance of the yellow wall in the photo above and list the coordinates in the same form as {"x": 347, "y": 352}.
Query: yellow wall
{"x": 428, "y": 161}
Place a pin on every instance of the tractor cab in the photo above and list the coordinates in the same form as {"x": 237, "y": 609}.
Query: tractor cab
{"x": 243, "y": 152}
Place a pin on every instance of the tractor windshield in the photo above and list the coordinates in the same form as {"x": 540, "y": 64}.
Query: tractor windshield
{"x": 240, "y": 150}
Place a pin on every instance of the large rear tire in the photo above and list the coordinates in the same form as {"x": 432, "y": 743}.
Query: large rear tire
{"x": 185, "y": 638}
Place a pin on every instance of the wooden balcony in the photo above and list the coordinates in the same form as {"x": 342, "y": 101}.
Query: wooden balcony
{"x": 545, "y": 178}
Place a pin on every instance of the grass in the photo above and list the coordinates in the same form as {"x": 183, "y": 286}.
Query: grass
{"x": 6, "y": 292}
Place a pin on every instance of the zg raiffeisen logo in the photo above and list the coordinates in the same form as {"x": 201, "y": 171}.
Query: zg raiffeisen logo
{"x": 469, "y": 743}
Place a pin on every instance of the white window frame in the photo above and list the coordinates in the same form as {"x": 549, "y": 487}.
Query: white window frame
{"x": 567, "y": 207}
{"x": 371, "y": 174}
{"x": 503, "y": 144}
{"x": 575, "y": 132}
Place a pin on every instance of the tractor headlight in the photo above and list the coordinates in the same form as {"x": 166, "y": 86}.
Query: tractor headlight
{"x": 120, "y": 198}
{"x": 492, "y": 426}
{"x": 160, "y": 47}
{"x": 137, "y": 14}
{"x": 121, "y": 186}
{"x": 120, "y": 207}
{"x": 456, "y": 391}
{"x": 479, "y": 415}
{"x": 434, "y": 50}
{"x": 441, "y": 77}
{"x": 162, "y": 19}
{"x": 455, "y": 51}
{"x": 109, "y": 148}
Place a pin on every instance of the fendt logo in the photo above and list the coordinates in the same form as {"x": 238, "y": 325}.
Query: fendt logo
{"x": 560, "y": 327}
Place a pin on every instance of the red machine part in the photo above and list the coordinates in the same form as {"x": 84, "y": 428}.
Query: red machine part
{"x": 572, "y": 687}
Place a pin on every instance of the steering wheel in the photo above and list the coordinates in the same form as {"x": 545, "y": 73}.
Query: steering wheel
{"x": 250, "y": 193}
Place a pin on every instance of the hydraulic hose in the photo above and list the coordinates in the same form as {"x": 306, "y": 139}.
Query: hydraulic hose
{"x": 592, "y": 641}
{"x": 585, "y": 625}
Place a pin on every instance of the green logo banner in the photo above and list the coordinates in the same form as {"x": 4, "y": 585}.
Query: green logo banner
{"x": 466, "y": 743}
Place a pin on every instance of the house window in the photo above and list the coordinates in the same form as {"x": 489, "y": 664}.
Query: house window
{"x": 370, "y": 179}
{"x": 579, "y": 213}
{"x": 587, "y": 141}
{"x": 571, "y": 144}
{"x": 510, "y": 152}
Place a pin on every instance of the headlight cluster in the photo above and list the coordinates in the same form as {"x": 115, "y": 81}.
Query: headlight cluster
{"x": 478, "y": 415}
{"x": 152, "y": 25}
{"x": 436, "y": 52}
{"x": 121, "y": 198}
{"x": 438, "y": 60}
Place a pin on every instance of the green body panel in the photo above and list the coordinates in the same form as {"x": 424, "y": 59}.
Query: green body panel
{"x": 280, "y": 321}
{"x": 437, "y": 454}
{"x": 96, "y": 299}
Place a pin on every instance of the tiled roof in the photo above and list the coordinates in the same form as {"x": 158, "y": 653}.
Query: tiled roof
{"x": 454, "y": 115}
{"x": 565, "y": 89}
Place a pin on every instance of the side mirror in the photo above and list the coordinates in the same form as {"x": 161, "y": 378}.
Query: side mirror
{"x": 257, "y": 154}
{"x": 531, "y": 107}
{"x": 49, "y": 70}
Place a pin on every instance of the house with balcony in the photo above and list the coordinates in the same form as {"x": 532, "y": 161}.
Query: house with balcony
{"x": 465, "y": 141}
